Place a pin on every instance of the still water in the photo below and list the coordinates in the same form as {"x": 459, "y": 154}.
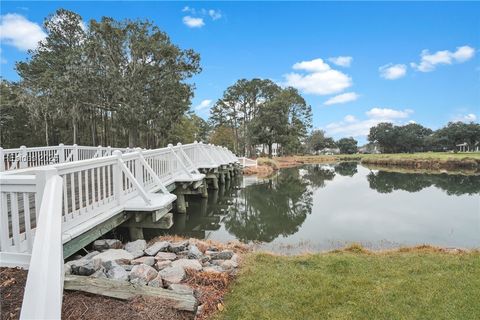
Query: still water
{"x": 321, "y": 207}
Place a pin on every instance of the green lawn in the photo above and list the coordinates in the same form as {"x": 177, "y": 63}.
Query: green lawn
{"x": 426, "y": 155}
{"x": 422, "y": 284}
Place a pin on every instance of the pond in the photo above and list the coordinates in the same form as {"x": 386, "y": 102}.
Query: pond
{"x": 322, "y": 207}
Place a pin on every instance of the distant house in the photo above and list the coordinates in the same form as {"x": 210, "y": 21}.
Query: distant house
{"x": 465, "y": 147}
{"x": 263, "y": 149}
{"x": 369, "y": 148}
{"x": 329, "y": 151}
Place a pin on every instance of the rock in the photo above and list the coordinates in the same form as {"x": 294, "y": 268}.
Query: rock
{"x": 143, "y": 273}
{"x": 165, "y": 256}
{"x": 104, "y": 244}
{"x": 213, "y": 269}
{"x": 188, "y": 264}
{"x": 84, "y": 267}
{"x": 156, "y": 247}
{"x": 200, "y": 309}
{"x": 118, "y": 255}
{"x": 229, "y": 265}
{"x": 127, "y": 267}
{"x": 110, "y": 264}
{"x": 235, "y": 258}
{"x": 136, "y": 248}
{"x": 222, "y": 255}
{"x": 212, "y": 248}
{"x": 100, "y": 273}
{"x": 90, "y": 255}
{"x": 194, "y": 252}
{"x": 173, "y": 274}
{"x": 181, "y": 288}
{"x": 205, "y": 259}
{"x": 157, "y": 282}
{"x": 117, "y": 273}
{"x": 149, "y": 261}
{"x": 163, "y": 264}
{"x": 177, "y": 247}
{"x": 217, "y": 262}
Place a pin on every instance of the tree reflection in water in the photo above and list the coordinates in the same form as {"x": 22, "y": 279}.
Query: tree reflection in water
{"x": 387, "y": 182}
{"x": 262, "y": 212}
{"x": 347, "y": 169}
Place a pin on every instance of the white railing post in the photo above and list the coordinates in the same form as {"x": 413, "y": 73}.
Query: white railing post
{"x": 99, "y": 152}
{"x": 61, "y": 153}
{"x": 2, "y": 158}
{"x": 75, "y": 152}
{"x": 42, "y": 175}
{"x": 43, "y": 294}
{"x": 23, "y": 157}
{"x": 109, "y": 151}
{"x": 138, "y": 168}
{"x": 118, "y": 177}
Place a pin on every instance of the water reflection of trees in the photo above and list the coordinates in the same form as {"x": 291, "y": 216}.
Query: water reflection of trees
{"x": 348, "y": 169}
{"x": 386, "y": 182}
{"x": 317, "y": 175}
{"x": 262, "y": 212}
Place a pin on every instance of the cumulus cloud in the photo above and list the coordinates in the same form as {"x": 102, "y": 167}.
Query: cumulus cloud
{"x": 214, "y": 14}
{"x": 351, "y": 126}
{"x": 342, "y": 98}
{"x": 429, "y": 61}
{"x": 319, "y": 78}
{"x": 470, "y": 117}
{"x": 19, "y": 32}
{"x": 342, "y": 61}
{"x": 192, "y": 22}
{"x": 389, "y": 114}
{"x": 204, "y": 104}
{"x": 393, "y": 71}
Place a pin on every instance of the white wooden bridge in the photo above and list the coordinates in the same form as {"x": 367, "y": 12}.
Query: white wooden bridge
{"x": 55, "y": 200}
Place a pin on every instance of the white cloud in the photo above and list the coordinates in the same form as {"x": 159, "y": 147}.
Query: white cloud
{"x": 470, "y": 117}
{"x": 393, "y": 71}
{"x": 349, "y": 118}
{"x": 204, "y": 104}
{"x": 342, "y": 61}
{"x": 214, "y": 14}
{"x": 388, "y": 114}
{"x": 320, "y": 79}
{"x": 429, "y": 61}
{"x": 351, "y": 126}
{"x": 192, "y": 22}
{"x": 19, "y": 32}
{"x": 2, "y": 59}
{"x": 342, "y": 98}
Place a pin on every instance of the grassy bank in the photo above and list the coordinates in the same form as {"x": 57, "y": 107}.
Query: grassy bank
{"x": 422, "y": 283}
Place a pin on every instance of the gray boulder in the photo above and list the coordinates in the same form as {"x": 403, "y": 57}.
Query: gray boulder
{"x": 165, "y": 256}
{"x": 85, "y": 267}
{"x": 188, "y": 264}
{"x": 194, "y": 252}
{"x": 142, "y": 273}
{"x": 163, "y": 264}
{"x": 100, "y": 273}
{"x": 118, "y": 255}
{"x": 156, "y": 247}
{"x": 157, "y": 282}
{"x": 149, "y": 261}
{"x": 117, "y": 273}
{"x": 173, "y": 274}
{"x": 220, "y": 255}
{"x": 136, "y": 248}
{"x": 177, "y": 247}
{"x": 105, "y": 244}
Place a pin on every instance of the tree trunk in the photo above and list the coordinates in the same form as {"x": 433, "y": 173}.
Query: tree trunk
{"x": 270, "y": 150}
{"x": 74, "y": 131}
{"x": 46, "y": 130}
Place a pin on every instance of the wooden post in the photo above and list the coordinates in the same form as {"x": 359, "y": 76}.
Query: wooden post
{"x": 181, "y": 205}
{"x": 136, "y": 233}
{"x": 23, "y": 157}
{"x": 222, "y": 177}
{"x": 204, "y": 189}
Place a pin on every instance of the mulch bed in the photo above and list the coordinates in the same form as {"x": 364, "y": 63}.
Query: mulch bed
{"x": 79, "y": 305}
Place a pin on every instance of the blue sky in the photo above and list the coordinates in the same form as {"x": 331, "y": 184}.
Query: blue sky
{"x": 398, "y": 62}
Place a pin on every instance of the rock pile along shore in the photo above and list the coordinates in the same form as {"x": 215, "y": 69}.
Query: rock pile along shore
{"x": 161, "y": 264}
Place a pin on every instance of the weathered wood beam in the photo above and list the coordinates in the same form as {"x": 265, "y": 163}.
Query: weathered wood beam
{"x": 125, "y": 290}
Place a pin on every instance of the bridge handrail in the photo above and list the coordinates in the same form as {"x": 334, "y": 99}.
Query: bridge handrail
{"x": 44, "y": 287}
